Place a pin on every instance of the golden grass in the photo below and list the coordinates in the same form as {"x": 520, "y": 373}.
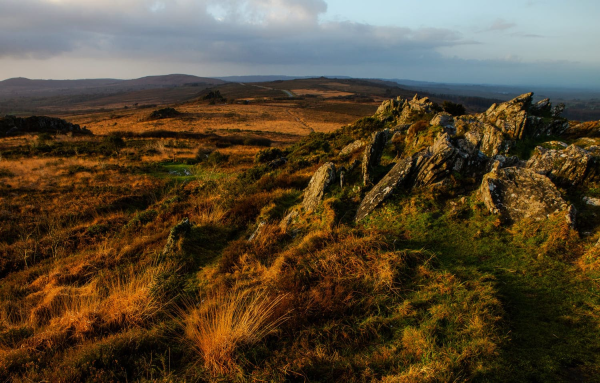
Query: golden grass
{"x": 227, "y": 321}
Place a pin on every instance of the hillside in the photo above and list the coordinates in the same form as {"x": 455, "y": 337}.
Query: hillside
{"x": 416, "y": 243}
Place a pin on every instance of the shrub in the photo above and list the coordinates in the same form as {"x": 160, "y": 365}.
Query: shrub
{"x": 454, "y": 108}
{"x": 268, "y": 155}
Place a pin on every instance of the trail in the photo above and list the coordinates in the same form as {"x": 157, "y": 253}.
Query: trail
{"x": 288, "y": 93}
{"x": 301, "y": 122}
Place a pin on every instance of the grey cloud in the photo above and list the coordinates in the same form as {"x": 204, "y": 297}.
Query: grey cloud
{"x": 249, "y": 31}
{"x": 501, "y": 25}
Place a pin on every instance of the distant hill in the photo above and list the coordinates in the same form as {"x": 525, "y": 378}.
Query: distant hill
{"x": 23, "y": 87}
{"x": 272, "y": 78}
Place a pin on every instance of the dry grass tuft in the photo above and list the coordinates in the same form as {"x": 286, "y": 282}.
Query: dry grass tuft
{"x": 227, "y": 321}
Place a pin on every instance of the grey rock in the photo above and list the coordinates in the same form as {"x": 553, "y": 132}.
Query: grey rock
{"x": 320, "y": 181}
{"x": 179, "y": 231}
{"x": 394, "y": 178}
{"x": 442, "y": 119}
{"x": 592, "y": 201}
{"x": 518, "y": 193}
{"x": 287, "y": 220}
{"x": 352, "y": 147}
{"x": 442, "y": 158}
{"x": 567, "y": 167}
{"x": 372, "y": 154}
{"x": 256, "y": 232}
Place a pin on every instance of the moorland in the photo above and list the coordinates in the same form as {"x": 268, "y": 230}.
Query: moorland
{"x": 302, "y": 230}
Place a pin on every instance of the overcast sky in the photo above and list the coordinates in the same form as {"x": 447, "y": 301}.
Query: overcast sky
{"x": 552, "y": 42}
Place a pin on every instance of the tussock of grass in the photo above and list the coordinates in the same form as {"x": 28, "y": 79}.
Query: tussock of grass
{"x": 227, "y": 321}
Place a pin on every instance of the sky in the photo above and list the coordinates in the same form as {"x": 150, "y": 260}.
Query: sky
{"x": 551, "y": 43}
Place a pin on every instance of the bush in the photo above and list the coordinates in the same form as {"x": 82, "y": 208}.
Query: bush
{"x": 164, "y": 113}
{"x": 454, "y": 108}
{"x": 268, "y": 155}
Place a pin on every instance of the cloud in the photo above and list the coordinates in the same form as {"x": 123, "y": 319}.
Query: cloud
{"x": 501, "y": 25}
{"x": 209, "y": 31}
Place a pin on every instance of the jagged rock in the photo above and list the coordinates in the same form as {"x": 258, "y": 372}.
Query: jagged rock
{"x": 395, "y": 177}
{"x": 320, "y": 181}
{"x": 373, "y": 153}
{"x": 257, "y": 231}
{"x": 510, "y": 117}
{"x": 518, "y": 193}
{"x": 177, "y": 232}
{"x": 15, "y": 125}
{"x": 541, "y": 107}
{"x": 390, "y": 107}
{"x": 592, "y": 201}
{"x": 588, "y": 129}
{"x": 403, "y": 111}
{"x": 442, "y": 158}
{"x": 566, "y": 167}
{"x": 442, "y": 119}
{"x": 352, "y": 147}
{"x": 558, "y": 110}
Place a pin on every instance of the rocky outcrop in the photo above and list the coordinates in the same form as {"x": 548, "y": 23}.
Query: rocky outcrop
{"x": 442, "y": 158}
{"x": 352, "y": 147}
{"x": 509, "y": 117}
{"x": 11, "y": 125}
{"x": 320, "y": 181}
{"x": 403, "y": 111}
{"x": 566, "y": 167}
{"x": 395, "y": 177}
{"x": 518, "y": 193}
{"x": 372, "y": 155}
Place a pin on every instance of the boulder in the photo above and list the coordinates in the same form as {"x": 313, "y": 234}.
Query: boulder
{"x": 352, "y": 147}
{"x": 518, "y": 193}
{"x": 394, "y": 178}
{"x": 320, "y": 181}
{"x": 442, "y": 119}
{"x": 373, "y": 153}
{"x": 567, "y": 167}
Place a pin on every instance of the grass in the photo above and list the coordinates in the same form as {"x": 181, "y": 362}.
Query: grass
{"x": 428, "y": 288}
{"x": 227, "y": 321}
{"x": 550, "y": 306}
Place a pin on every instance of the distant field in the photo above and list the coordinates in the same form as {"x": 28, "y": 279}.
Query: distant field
{"x": 287, "y": 117}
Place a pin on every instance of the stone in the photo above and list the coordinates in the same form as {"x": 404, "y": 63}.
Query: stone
{"x": 519, "y": 193}
{"x": 558, "y": 110}
{"x": 567, "y": 167}
{"x": 541, "y": 107}
{"x": 443, "y": 158}
{"x": 592, "y": 201}
{"x": 372, "y": 154}
{"x": 181, "y": 230}
{"x": 257, "y": 231}
{"x": 442, "y": 119}
{"x": 320, "y": 181}
{"x": 403, "y": 111}
{"x": 509, "y": 117}
{"x": 352, "y": 147}
{"x": 397, "y": 176}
